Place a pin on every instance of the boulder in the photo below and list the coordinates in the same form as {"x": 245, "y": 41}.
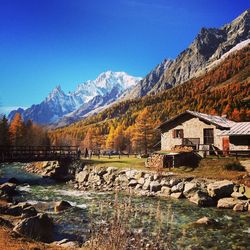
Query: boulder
{"x": 178, "y": 187}
{"x": 177, "y": 195}
{"x": 61, "y": 206}
{"x": 29, "y": 212}
{"x": 14, "y": 181}
{"x": 189, "y": 189}
{"x": 132, "y": 183}
{"x": 101, "y": 172}
{"x": 131, "y": 174}
{"x": 202, "y": 199}
{"x": 228, "y": 202}
{"x": 109, "y": 177}
{"x": 82, "y": 176}
{"x": 7, "y": 190}
{"x": 206, "y": 221}
{"x": 66, "y": 243}
{"x": 164, "y": 182}
{"x": 17, "y": 210}
{"x": 165, "y": 191}
{"x": 174, "y": 182}
{"x": 155, "y": 186}
{"x": 39, "y": 227}
{"x": 241, "y": 207}
{"x": 111, "y": 170}
{"x": 5, "y": 223}
{"x": 220, "y": 189}
{"x": 239, "y": 196}
{"x": 146, "y": 185}
{"x": 141, "y": 181}
{"x": 138, "y": 187}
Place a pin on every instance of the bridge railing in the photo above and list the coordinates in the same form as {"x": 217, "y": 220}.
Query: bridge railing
{"x": 32, "y": 153}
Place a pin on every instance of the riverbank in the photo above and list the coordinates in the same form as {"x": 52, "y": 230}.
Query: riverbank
{"x": 145, "y": 182}
{"x": 9, "y": 240}
{"x": 201, "y": 191}
{"x": 99, "y": 206}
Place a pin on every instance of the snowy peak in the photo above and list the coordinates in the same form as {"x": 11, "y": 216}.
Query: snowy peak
{"x": 107, "y": 86}
{"x": 57, "y": 91}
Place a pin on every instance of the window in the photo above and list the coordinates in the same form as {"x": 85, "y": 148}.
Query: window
{"x": 178, "y": 133}
{"x": 208, "y": 136}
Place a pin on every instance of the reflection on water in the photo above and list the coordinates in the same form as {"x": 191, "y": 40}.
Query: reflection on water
{"x": 170, "y": 220}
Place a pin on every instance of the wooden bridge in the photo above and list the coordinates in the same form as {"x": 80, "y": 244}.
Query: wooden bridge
{"x": 37, "y": 153}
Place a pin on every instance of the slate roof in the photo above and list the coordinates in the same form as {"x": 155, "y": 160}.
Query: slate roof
{"x": 219, "y": 121}
{"x": 239, "y": 128}
{"x": 214, "y": 119}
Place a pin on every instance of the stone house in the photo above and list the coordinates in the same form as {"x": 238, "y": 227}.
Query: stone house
{"x": 204, "y": 132}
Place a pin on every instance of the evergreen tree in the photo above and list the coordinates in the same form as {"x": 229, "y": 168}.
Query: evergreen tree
{"x": 4, "y": 132}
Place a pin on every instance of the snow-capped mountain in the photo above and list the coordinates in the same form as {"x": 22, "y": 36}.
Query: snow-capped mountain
{"x": 107, "y": 87}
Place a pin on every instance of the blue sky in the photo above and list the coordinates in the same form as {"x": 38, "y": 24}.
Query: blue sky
{"x": 44, "y": 43}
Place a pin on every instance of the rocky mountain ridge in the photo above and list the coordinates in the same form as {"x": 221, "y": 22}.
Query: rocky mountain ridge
{"x": 209, "y": 45}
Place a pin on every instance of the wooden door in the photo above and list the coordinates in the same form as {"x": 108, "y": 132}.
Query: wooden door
{"x": 225, "y": 145}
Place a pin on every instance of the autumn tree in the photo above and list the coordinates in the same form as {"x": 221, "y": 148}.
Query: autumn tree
{"x": 17, "y": 131}
{"x": 119, "y": 139}
{"x": 143, "y": 133}
{"x": 110, "y": 139}
{"x": 88, "y": 141}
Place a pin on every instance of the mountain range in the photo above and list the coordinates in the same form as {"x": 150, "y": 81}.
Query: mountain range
{"x": 209, "y": 48}
{"x": 60, "y": 109}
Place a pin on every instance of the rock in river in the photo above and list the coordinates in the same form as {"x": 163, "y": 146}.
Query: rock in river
{"x": 62, "y": 205}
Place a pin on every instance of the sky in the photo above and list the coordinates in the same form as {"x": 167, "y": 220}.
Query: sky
{"x": 45, "y": 43}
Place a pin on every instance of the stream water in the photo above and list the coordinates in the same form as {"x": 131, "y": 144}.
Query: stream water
{"x": 171, "y": 220}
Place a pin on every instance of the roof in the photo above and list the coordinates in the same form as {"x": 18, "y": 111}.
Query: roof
{"x": 239, "y": 128}
{"x": 214, "y": 119}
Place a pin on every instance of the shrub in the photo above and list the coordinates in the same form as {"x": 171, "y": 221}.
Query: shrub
{"x": 234, "y": 166}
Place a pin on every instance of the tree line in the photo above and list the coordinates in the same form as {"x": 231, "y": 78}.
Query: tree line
{"x": 20, "y": 133}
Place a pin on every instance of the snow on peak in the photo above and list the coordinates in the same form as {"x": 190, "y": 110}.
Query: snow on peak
{"x": 57, "y": 91}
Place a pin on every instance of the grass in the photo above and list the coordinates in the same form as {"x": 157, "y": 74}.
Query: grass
{"x": 115, "y": 161}
{"x": 210, "y": 167}
{"x": 213, "y": 168}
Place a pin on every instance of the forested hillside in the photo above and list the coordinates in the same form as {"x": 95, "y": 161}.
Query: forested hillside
{"x": 223, "y": 90}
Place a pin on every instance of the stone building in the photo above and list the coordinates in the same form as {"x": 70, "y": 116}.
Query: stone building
{"x": 204, "y": 132}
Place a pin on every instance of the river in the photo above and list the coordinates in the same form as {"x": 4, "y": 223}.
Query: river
{"x": 170, "y": 220}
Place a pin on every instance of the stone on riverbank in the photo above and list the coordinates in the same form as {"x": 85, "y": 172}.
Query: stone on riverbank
{"x": 178, "y": 195}
{"x": 82, "y": 176}
{"x": 39, "y": 227}
{"x": 202, "y": 199}
{"x": 228, "y": 202}
{"x": 241, "y": 207}
{"x": 17, "y": 210}
{"x": 155, "y": 186}
{"x": 165, "y": 191}
{"x": 7, "y": 191}
{"x": 220, "y": 189}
